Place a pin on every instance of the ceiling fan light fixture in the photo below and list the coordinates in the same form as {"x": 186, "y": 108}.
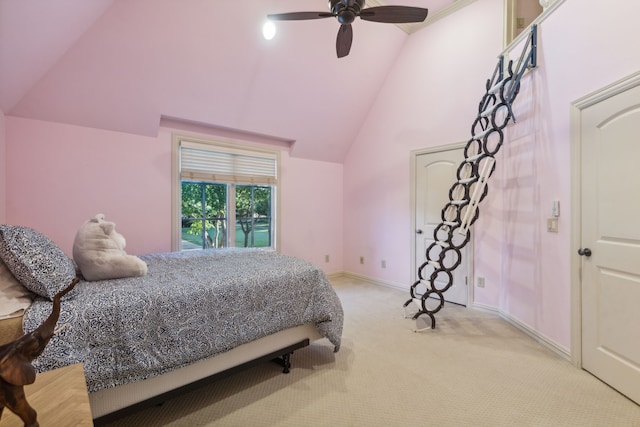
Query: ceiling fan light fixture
{"x": 346, "y": 11}
{"x": 346, "y": 17}
{"x": 269, "y": 30}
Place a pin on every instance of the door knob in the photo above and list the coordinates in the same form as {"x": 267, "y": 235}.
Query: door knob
{"x": 584, "y": 252}
{"x": 418, "y": 231}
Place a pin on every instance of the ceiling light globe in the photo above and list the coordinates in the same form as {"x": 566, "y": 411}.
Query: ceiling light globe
{"x": 269, "y": 30}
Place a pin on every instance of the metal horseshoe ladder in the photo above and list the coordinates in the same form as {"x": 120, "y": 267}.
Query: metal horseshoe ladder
{"x": 459, "y": 214}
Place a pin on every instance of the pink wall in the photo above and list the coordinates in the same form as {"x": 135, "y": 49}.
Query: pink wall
{"x": 3, "y": 168}
{"x": 431, "y": 98}
{"x": 191, "y": 60}
{"x": 60, "y": 175}
{"x": 311, "y": 211}
{"x": 23, "y": 60}
{"x": 574, "y": 61}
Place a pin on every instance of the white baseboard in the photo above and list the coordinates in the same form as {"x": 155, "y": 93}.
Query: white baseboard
{"x": 336, "y": 275}
{"x": 397, "y": 286}
{"x": 484, "y": 307}
{"x": 536, "y": 335}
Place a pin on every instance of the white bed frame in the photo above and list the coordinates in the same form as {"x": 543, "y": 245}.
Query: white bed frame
{"x": 113, "y": 403}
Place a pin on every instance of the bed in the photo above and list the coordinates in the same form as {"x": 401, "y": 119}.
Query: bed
{"x": 193, "y": 315}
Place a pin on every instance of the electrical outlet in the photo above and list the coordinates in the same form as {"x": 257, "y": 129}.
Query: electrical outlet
{"x": 481, "y": 282}
{"x": 326, "y": 258}
{"x": 383, "y": 264}
{"x": 361, "y": 260}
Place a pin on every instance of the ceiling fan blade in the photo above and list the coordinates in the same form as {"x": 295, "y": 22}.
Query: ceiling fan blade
{"x": 394, "y": 14}
{"x": 299, "y": 16}
{"x": 344, "y": 40}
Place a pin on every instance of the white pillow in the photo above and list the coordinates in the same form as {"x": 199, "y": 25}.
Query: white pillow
{"x": 98, "y": 249}
{"x": 14, "y": 298}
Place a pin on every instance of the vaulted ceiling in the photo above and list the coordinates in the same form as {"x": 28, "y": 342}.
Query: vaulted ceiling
{"x": 124, "y": 65}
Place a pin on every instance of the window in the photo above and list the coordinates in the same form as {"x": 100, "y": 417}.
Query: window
{"x": 225, "y": 195}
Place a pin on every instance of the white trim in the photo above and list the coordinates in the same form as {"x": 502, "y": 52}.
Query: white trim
{"x": 176, "y": 194}
{"x": 608, "y": 91}
{"x": 576, "y": 108}
{"x": 335, "y": 275}
{"x": 536, "y": 335}
{"x": 396, "y": 286}
{"x": 486, "y": 308}
{"x": 576, "y": 226}
{"x": 509, "y": 19}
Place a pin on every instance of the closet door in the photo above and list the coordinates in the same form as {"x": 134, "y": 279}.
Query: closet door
{"x": 435, "y": 174}
{"x": 610, "y": 240}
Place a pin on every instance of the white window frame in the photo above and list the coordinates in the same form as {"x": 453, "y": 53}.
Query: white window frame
{"x": 178, "y": 140}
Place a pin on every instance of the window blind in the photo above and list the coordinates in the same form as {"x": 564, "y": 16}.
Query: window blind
{"x": 213, "y": 163}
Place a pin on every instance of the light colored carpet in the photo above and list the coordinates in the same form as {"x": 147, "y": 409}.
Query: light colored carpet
{"x": 474, "y": 369}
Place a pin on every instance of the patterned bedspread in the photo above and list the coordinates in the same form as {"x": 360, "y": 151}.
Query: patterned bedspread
{"x": 190, "y": 306}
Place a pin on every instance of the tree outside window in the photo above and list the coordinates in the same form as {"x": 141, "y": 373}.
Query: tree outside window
{"x": 205, "y": 215}
{"x": 225, "y": 194}
{"x": 253, "y": 216}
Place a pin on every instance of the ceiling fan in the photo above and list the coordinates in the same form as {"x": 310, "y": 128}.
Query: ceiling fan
{"x": 346, "y": 11}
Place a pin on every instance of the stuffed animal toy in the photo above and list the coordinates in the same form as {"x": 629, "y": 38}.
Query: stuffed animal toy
{"x": 98, "y": 250}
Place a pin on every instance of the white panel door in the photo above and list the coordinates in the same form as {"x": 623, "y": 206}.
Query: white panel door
{"x": 610, "y": 239}
{"x": 435, "y": 174}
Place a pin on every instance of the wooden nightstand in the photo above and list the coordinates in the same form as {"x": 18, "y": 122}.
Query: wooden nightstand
{"x": 59, "y": 397}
